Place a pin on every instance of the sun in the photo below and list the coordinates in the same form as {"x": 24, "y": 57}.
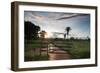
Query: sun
{"x": 48, "y": 35}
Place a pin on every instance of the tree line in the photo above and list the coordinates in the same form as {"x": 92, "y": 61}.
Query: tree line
{"x": 33, "y": 31}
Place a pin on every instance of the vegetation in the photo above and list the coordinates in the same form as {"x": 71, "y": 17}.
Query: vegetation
{"x": 33, "y": 50}
{"x": 35, "y": 42}
{"x": 68, "y": 30}
{"x": 78, "y": 49}
{"x": 31, "y": 31}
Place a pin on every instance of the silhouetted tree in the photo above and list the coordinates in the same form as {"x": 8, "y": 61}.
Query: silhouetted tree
{"x": 88, "y": 38}
{"x": 36, "y": 29}
{"x": 31, "y": 30}
{"x": 67, "y": 30}
{"x": 64, "y": 35}
{"x": 42, "y": 34}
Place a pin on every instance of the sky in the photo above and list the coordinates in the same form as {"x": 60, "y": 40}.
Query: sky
{"x": 56, "y": 22}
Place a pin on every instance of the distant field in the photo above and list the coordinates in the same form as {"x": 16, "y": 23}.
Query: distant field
{"x": 78, "y": 49}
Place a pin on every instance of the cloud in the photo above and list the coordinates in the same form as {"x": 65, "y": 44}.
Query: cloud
{"x": 68, "y": 16}
{"x": 57, "y": 22}
{"x": 38, "y": 17}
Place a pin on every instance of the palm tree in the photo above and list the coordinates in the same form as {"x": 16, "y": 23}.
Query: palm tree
{"x": 64, "y": 35}
{"x": 68, "y": 30}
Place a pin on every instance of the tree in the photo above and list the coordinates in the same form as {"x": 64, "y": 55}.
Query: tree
{"x": 36, "y": 29}
{"x": 42, "y": 34}
{"x": 64, "y": 35}
{"x": 88, "y": 38}
{"x": 31, "y": 30}
{"x": 67, "y": 30}
{"x": 72, "y": 38}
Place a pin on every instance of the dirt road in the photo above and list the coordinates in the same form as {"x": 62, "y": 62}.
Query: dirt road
{"x": 58, "y": 54}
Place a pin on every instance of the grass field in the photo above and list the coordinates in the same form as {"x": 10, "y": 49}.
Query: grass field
{"x": 78, "y": 49}
{"x": 81, "y": 49}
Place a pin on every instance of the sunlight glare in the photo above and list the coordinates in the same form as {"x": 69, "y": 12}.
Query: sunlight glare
{"x": 48, "y": 35}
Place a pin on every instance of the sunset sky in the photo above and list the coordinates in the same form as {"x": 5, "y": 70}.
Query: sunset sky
{"x": 57, "y": 22}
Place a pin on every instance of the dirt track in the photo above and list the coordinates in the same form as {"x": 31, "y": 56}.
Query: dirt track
{"x": 58, "y": 54}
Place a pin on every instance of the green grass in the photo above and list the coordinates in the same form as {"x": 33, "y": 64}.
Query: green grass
{"x": 31, "y": 56}
{"x": 32, "y": 50}
{"x": 81, "y": 49}
{"x": 78, "y": 49}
